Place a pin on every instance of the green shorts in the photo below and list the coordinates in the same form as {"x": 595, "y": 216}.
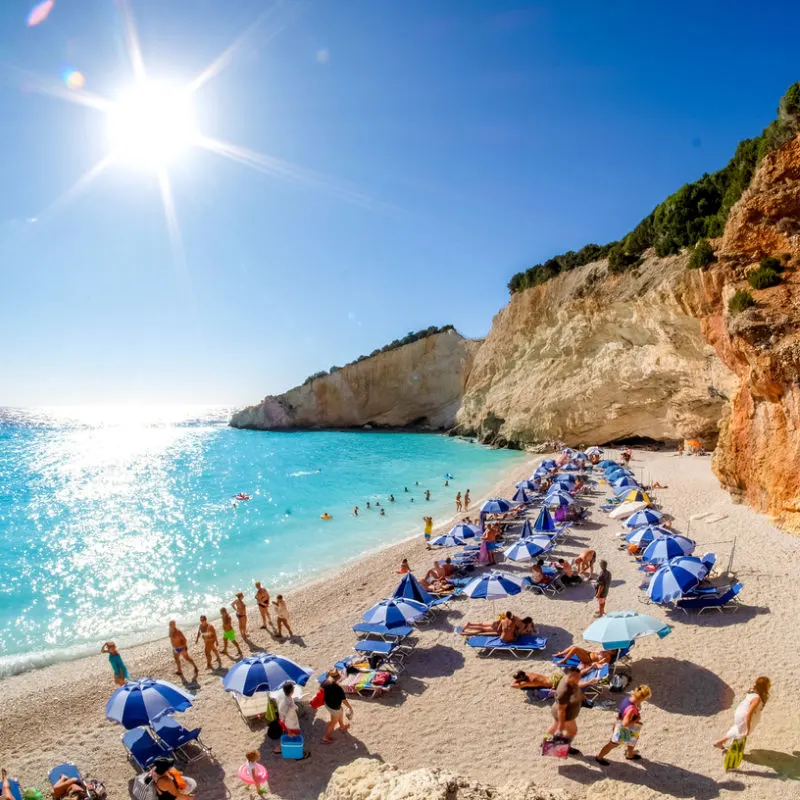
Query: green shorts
{"x": 229, "y": 635}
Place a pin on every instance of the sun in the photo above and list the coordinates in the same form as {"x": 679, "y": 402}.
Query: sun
{"x": 151, "y": 124}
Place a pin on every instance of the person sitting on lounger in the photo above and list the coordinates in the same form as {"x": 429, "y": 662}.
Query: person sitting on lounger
{"x": 508, "y": 628}
{"x": 589, "y": 659}
{"x": 524, "y": 626}
{"x": 537, "y": 574}
{"x": 404, "y": 568}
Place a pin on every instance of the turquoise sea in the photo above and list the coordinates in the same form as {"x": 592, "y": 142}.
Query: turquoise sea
{"x": 116, "y": 519}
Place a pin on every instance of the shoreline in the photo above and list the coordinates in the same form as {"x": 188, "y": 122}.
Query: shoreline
{"x": 42, "y": 659}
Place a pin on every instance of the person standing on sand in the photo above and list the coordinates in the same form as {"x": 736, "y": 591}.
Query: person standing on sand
{"x": 117, "y": 664}
{"x": 241, "y": 613}
{"x": 209, "y": 634}
{"x": 180, "y": 648}
{"x": 466, "y": 500}
{"x": 748, "y": 713}
{"x": 567, "y": 706}
{"x": 601, "y": 588}
{"x": 458, "y": 503}
{"x": 287, "y": 711}
{"x": 334, "y": 698}
{"x": 627, "y": 726}
{"x": 228, "y": 633}
{"x": 282, "y": 613}
{"x": 428, "y": 529}
{"x": 262, "y": 600}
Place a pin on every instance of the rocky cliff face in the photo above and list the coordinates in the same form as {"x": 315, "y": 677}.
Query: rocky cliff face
{"x": 369, "y": 779}
{"x": 418, "y": 385}
{"x": 589, "y": 358}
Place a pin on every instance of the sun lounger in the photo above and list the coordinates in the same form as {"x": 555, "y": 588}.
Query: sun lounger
{"x": 720, "y": 600}
{"x": 176, "y": 738}
{"x": 67, "y": 770}
{"x": 251, "y": 707}
{"x": 16, "y": 791}
{"x": 369, "y": 684}
{"x": 142, "y": 748}
{"x": 591, "y": 685}
{"x": 388, "y": 650}
{"x": 366, "y": 630}
{"x": 524, "y": 646}
{"x": 550, "y": 589}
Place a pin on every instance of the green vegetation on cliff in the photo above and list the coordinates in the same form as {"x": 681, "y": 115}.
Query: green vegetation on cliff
{"x": 696, "y": 211}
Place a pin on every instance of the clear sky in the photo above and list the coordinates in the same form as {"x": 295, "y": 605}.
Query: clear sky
{"x": 442, "y": 144}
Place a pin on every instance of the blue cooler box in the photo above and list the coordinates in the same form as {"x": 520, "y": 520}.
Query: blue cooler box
{"x": 291, "y": 746}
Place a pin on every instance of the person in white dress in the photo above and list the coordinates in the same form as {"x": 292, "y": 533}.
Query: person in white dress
{"x": 747, "y": 714}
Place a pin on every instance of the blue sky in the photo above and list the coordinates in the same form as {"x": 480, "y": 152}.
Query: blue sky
{"x": 479, "y": 137}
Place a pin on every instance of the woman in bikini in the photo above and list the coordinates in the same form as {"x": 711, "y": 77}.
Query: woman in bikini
{"x": 241, "y": 613}
{"x": 209, "y": 634}
{"x": 262, "y": 598}
{"x": 228, "y": 633}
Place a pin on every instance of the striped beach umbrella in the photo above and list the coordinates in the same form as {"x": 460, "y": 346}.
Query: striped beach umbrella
{"x": 675, "y": 578}
{"x": 545, "y": 522}
{"x": 145, "y": 700}
{"x": 493, "y": 586}
{"x": 626, "y": 480}
{"x": 641, "y": 537}
{"x": 411, "y": 589}
{"x": 495, "y": 505}
{"x": 521, "y": 496}
{"x": 619, "y": 629}
{"x": 665, "y": 548}
{"x": 528, "y": 549}
{"x": 647, "y": 516}
{"x": 636, "y": 496}
{"x": 606, "y": 462}
{"x": 594, "y": 450}
{"x": 562, "y": 478}
{"x": 465, "y": 530}
{"x": 549, "y": 463}
{"x": 528, "y": 486}
{"x": 394, "y": 612}
{"x": 558, "y": 499}
{"x": 527, "y": 530}
{"x": 448, "y": 540}
{"x": 265, "y": 672}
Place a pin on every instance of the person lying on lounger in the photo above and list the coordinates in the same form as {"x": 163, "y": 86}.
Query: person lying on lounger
{"x": 536, "y": 680}
{"x": 66, "y": 787}
{"x": 589, "y": 659}
{"x": 505, "y": 627}
{"x": 524, "y": 626}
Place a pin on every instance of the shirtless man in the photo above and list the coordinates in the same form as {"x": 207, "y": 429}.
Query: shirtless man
{"x": 262, "y": 598}
{"x": 508, "y": 628}
{"x": 241, "y": 613}
{"x": 585, "y": 563}
{"x": 209, "y": 634}
{"x": 180, "y": 648}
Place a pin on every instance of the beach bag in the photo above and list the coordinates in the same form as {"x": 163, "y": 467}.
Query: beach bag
{"x": 318, "y": 699}
{"x": 271, "y": 714}
{"x": 556, "y": 746}
{"x": 734, "y": 755}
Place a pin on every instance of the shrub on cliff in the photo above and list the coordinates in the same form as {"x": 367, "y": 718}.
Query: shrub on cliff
{"x": 771, "y": 263}
{"x": 702, "y": 255}
{"x": 741, "y": 300}
{"x": 763, "y": 278}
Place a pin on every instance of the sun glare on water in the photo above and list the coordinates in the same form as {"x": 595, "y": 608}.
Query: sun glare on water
{"x": 152, "y": 124}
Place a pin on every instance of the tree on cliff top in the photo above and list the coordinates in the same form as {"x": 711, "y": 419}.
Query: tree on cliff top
{"x": 697, "y": 210}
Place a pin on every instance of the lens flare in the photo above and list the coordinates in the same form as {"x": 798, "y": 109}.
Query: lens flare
{"x": 73, "y": 79}
{"x": 40, "y": 12}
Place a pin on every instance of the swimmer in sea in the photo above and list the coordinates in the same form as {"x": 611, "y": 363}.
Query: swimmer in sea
{"x": 368, "y": 505}
{"x": 406, "y": 489}
{"x": 209, "y": 634}
{"x": 391, "y": 498}
{"x": 447, "y": 483}
{"x": 427, "y": 494}
{"x": 377, "y": 504}
{"x": 180, "y": 648}
{"x": 355, "y": 511}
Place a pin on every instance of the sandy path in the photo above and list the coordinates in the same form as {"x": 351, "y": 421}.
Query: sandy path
{"x": 456, "y": 710}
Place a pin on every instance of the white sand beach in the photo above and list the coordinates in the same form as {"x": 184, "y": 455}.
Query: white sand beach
{"x": 456, "y": 710}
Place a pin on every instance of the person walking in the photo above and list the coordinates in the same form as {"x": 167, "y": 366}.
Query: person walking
{"x": 180, "y": 648}
{"x": 241, "y": 613}
{"x": 601, "y": 588}
{"x": 117, "y": 664}
{"x": 458, "y": 503}
{"x": 282, "y": 613}
{"x": 567, "y": 706}
{"x": 627, "y": 726}
{"x": 228, "y": 633}
{"x": 748, "y": 713}
{"x": 262, "y": 600}
{"x": 210, "y": 641}
{"x": 466, "y": 500}
{"x": 334, "y": 698}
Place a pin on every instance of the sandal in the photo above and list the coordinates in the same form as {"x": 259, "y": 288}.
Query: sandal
{"x": 634, "y": 757}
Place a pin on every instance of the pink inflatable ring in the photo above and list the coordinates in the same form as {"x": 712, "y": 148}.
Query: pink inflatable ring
{"x": 260, "y": 770}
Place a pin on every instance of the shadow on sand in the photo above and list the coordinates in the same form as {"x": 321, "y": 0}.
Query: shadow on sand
{"x": 784, "y": 765}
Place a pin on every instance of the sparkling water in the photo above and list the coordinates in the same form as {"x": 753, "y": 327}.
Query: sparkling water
{"x": 114, "y": 520}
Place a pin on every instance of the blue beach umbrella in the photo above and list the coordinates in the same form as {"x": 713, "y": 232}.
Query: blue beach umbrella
{"x": 495, "y": 505}
{"x": 448, "y": 540}
{"x": 647, "y": 516}
{"x": 579, "y": 456}
{"x": 665, "y": 548}
{"x": 594, "y": 450}
{"x": 675, "y": 578}
{"x": 619, "y": 629}
{"x": 549, "y": 463}
{"x": 529, "y": 486}
{"x": 606, "y": 462}
{"x": 411, "y": 589}
{"x": 565, "y": 479}
{"x": 464, "y": 530}
{"x": 558, "y": 499}
{"x": 521, "y": 496}
{"x": 641, "y": 537}
{"x": 528, "y": 549}
{"x": 567, "y": 451}
{"x": 263, "y": 671}
{"x": 545, "y": 522}
{"x": 540, "y": 473}
{"x": 145, "y": 700}
{"x": 394, "y": 612}
{"x": 493, "y": 585}
{"x": 571, "y": 467}
{"x": 625, "y": 481}
{"x": 527, "y": 530}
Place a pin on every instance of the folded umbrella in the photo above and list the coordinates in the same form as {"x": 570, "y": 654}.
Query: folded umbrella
{"x": 544, "y": 522}
{"x": 521, "y": 496}
{"x": 411, "y": 589}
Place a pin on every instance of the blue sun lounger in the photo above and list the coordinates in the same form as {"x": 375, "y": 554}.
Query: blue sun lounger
{"x": 16, "y": 791}
{"x": 524, "y": 646}
{"x": 142, "y": 748}
{"x": 717, "y": 601}
{"x": 366, "y": 630}
{"x": 176, "y": 737}
{"x": 67, "y": 770}
{"x": 591, "y": 685}
{"x": 389, "y": 650}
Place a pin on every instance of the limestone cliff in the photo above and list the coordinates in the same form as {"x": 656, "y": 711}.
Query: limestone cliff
{"x": 588, "y": 357}
{"x": 370, "y": 779}
{"x": 418, "y": 385}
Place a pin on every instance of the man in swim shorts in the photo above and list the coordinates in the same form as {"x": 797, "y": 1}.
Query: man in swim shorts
{"x": 262, "y": 599}
{"x": 180, "y": 648}
{"x": 228, "y": 633}
{"x": 241, "y": 613}
{"x": 209, "y": 634}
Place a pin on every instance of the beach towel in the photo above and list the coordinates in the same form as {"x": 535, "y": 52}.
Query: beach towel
{"x": 556, "y": 746}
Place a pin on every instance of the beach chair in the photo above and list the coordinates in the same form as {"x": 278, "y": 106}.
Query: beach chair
{"x": 142, "y": 748}
{"x": 720, "y": 600}
{"x": 368, "y": 630}
{"x": 66, "y": 770}
{"x": 524, "y": 647}
{"x": 592, "y": 685}
{"x": 389, "y": 651}
{"x": 368, "y": 683}
{"x": 252, "y": 707}
{"x": 176, "y": 738}
{"x": 16, "y": 790}
{"x": 550, "y": 589}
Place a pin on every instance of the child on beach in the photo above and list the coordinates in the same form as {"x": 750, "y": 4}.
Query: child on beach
{"x": 228, "y": 633}
{"x": 255, "y": 771}
{"x": 117, "y": 664}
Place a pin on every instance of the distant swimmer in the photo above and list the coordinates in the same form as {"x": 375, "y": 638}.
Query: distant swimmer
{"x": 355, "y": 511}
{"x": 427, "y": 494}
{"x": 412, "y": 499}
{"x": 242, "y": 496}
{"x": 368, "y": 505}
{"x": 377, "y": 504}
{"x": 391, "y": 498}
{"x": 447, "y": 483}
{"x": 325, "y": 516}
{"x": 416, "y": 483}
{"x": 406, "y": 489}
{"x": 383, "y": 513}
